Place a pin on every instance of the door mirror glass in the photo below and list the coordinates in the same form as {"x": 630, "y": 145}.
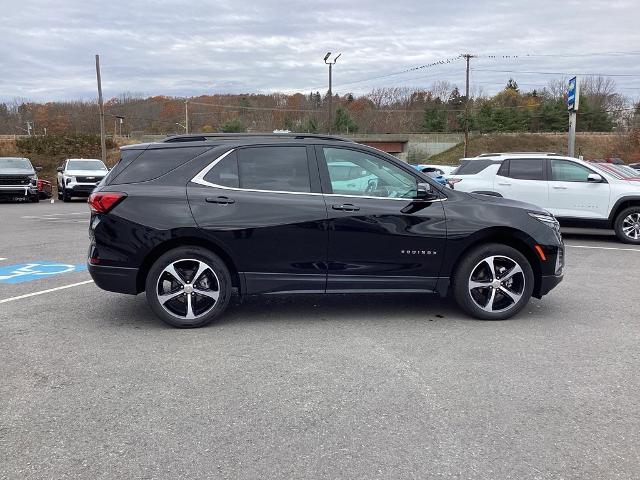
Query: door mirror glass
{"x": 60, "y": 169}
{"x": 594, "y": 178}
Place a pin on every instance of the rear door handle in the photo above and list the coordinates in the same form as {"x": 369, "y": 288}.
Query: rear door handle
{"x": 220, "y": 200}
{"x": 506, "y": 184}
{"x": 346, "y": 207}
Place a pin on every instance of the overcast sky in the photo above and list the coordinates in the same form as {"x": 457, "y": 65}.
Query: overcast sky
{"x": 163, "y": 47}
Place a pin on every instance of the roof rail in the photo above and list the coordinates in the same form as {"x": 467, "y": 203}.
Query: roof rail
{"x": 517, "y": 153}
{"x": 204, "y": 137}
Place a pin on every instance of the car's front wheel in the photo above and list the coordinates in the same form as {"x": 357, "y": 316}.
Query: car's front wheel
{"x": 188, "y": 287}
{"x": 493, "y": 282}
{"x": 627, "y": 225}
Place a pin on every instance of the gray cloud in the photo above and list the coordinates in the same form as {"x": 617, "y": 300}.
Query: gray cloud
{"x": 181, "y": 48}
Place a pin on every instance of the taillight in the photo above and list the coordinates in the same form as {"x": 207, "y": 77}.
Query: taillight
{"x": 102, "y": 202}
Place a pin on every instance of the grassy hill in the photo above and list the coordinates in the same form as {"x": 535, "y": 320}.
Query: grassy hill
{"x": 590, "y": 145}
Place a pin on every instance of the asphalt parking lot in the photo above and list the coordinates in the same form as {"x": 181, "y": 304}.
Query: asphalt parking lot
{"x": 385, "y": 386}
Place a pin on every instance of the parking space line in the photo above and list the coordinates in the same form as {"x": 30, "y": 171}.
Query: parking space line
{"x": 604, "y": 248}
{"x": 49, "y": 290}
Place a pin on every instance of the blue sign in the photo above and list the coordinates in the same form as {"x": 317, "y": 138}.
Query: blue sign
{"x": 27, "y": 272}
{"x": 573, "y": 95}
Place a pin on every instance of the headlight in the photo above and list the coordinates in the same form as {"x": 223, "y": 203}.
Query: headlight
{"x": 68, "y": 180}
{"x": 33, "y": 179}
{"x": 546, "y": 218}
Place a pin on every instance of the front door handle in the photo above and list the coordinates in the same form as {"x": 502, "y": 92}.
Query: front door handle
{"x": 220, "y": 200}
{"x": 506, "y": 184}
{"x": 557, "y": 187}
{"x": 346, "y": 207}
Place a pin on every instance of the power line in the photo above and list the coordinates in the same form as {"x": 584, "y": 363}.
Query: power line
{"x": 559, "y": 73}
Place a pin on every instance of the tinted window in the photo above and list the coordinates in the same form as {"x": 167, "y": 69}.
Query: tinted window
{"x": 471, "y": 167}
{"x": 283, "y": 169}
{"x": 155, "y": 163}
{"x": 225, "y": 172}
{"x": 357, "y": 173}
{"x": 565, "y": 171}
{"x": 126, "y": 157}
{"x": 526, "y": 168}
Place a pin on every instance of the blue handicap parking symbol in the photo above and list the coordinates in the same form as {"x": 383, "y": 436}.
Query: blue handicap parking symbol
{"x": 27, "y": 272}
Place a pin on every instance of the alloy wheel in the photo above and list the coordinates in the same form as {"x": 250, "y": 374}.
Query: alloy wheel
{"x": 496, "y": 283}
{"x": 188, "y": 289}
{"x": 631, "y": 226}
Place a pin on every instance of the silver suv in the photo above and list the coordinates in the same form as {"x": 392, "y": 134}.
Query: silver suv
{"x": 77, "y": 177}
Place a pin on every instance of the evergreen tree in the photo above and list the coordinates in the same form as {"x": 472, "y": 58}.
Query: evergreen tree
{"x": 343, "y": 122}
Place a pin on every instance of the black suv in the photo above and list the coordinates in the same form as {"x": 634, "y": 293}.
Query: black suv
{"x": 194, "y": 218}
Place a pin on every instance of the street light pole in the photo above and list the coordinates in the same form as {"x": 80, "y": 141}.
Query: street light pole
{"x": 331, "y": 64}
{"x": 467, "y": 57}
{"x": 103, "y": 146}
{"x": 186, "y": 116}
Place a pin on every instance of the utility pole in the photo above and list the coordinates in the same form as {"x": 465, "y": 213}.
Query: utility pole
{"x": 186, "y": 116}
{"x": 331, "y": 64}
{"x": 467, "y": 57}
{"x": 103, "y": 144}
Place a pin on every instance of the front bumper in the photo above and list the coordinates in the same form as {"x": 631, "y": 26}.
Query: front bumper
{"x": 548, "y": 283}
{"x": 18, "y": 190}
{"x": 115, "y": 279}
{"x": 80, "y": 189}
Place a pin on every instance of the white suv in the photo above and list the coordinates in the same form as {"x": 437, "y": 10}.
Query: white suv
{"x": 578, "y": 193}
{"x": 77, "y": 177}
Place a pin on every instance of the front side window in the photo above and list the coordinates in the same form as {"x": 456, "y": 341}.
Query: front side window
{"x": 566, "y": 171}
{"x": 526, "y": 168}
{"x": 283, "y": 169}
{"x": 357, "y": 173}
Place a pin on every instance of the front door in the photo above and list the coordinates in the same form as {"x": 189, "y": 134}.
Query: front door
{"x": 264, "y": 206}
{"x": 572, "y": 195}
{"x": 380, "y": 236}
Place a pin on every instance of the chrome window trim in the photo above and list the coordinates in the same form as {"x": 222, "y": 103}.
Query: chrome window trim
{"x": 199, "y": 179}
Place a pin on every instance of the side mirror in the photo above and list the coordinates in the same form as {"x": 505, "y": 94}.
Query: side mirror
{"x": 60, "y": 169}
{"x": 594, "y": 178}
{"x": 38, "y": 169}
{"x": 425, "y": 192}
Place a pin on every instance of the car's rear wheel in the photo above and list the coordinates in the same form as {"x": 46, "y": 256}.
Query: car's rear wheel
{"x": 493, "y": 282}
{"x": 627, "y": 225}
{"x": 188, "y": 287}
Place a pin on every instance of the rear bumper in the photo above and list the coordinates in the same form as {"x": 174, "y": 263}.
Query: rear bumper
{"x": 115, "y": 279}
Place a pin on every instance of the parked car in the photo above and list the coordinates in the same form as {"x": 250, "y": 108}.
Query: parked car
{"x": 192, "y": 218}
{"x": 44, "y": 189}
{"x": 577, "y": 192}
{"x": 436, "y": 173}
{"x": 18, "y": 179}
{"x": 440, "y": 169}
{"x": 635, "y": 166}
{"x": 77, "y": 177}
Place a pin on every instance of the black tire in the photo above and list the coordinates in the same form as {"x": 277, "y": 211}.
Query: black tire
{"x": 629, "y": 214}
{"x": 504, "y": 306}
{"x": 59, "y": 189}
{"x": 34, "y": 198}
{"x": 184, "y": 260}
{"x": 65, "y": 196}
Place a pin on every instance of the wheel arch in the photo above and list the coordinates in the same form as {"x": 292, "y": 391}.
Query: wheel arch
{"x": 191, "y": 241}
{"x": 622, "y": 204}
{"x": 506, "y": 236}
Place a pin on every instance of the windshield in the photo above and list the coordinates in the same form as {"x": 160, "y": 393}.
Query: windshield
{"x": 617, "y": 171}
{"x": 86, "y": 165}
{"x": 19, "y": 163}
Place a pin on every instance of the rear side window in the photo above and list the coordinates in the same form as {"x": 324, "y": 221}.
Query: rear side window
{"x": 274, "y": 168}
{"x": 155, "y": 163}
{"x": 471, "y": 167}
{"x": 526, "y": 168}
{"x": 126, "y": 157}
{"x": 225, "y": 173}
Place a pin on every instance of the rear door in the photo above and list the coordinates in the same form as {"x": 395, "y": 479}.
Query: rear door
{"x": 380, "y": 236}
{"x": 523, "y": 179}
{"x": 264, "y": 205}
{"x": 571, "y": 195}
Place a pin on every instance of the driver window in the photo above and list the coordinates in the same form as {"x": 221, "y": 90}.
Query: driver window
{"x": 357, "y": 173}
{"x": 566, "y": 171}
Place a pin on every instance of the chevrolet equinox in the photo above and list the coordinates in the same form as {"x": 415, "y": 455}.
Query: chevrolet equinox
{"x": 194, "y": 218}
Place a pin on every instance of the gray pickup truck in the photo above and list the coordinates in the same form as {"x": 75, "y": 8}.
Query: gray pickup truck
{"x": 18, "y": 179}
